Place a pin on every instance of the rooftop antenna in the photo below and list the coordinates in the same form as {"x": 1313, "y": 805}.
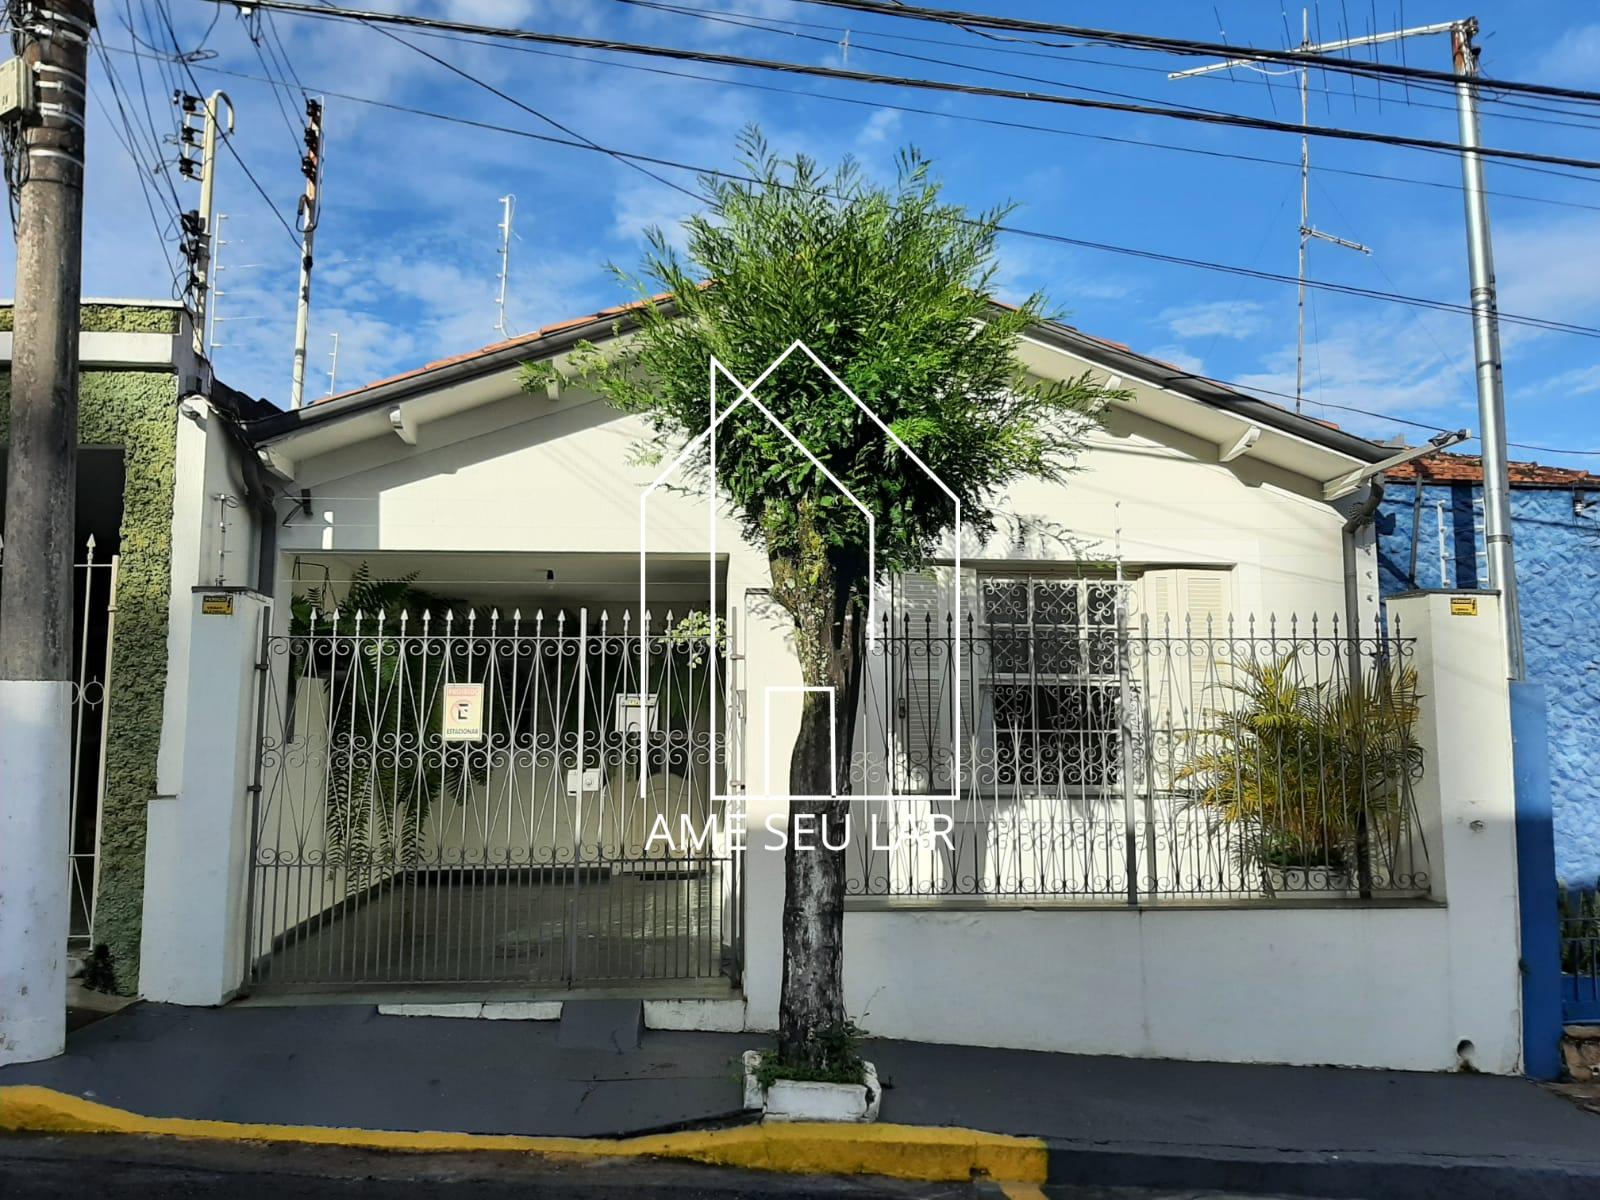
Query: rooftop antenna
{"x": 1485, "y": 311}
{"x": 1307, "y": 230}
{"x": 333, "y": 370}
{"x": 218, "y": 242}
{"x": 508, "y": 205}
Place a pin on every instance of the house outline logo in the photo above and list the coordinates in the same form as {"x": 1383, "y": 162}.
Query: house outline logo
{"x": 708, "y": 438}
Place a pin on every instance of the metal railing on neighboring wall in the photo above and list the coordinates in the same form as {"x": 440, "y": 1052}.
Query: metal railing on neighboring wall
{"x": 508, "y": 842}
{"x": 94, "y": 633}
{"x": 1108, "y": 761}
{"x": 1580, "y": 956}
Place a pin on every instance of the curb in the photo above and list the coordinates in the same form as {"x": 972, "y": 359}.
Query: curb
{"x": 912, "y": 1152}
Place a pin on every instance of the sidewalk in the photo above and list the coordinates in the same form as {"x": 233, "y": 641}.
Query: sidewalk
{"x": 1108, "y": 1121}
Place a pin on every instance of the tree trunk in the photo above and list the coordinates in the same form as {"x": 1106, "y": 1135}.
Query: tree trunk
{"x": 829, "y": 637}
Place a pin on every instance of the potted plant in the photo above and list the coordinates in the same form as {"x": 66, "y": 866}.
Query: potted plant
{"x": 841, "y": 1086}
{"x": 1311, "y": 774}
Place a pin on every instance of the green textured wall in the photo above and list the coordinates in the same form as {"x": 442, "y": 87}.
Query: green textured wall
{"x": 136, "y": 410}
{"x": 113, "y": 318}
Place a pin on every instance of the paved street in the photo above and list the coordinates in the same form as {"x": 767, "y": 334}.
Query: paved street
{"x": 69, "y": 1168}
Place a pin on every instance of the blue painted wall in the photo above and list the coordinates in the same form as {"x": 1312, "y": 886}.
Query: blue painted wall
{"x": 1558, "y": 578}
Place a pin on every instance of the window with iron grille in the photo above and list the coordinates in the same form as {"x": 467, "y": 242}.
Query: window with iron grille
{"x": 1054, "y": 679}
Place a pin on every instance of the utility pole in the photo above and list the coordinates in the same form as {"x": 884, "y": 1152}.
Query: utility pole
{"x": 202, "y": 223}
{"x": 333, "y": 370}
{"x": 1486, "y": 342}
{"x": 508, "y": 205}
{"x": 36, "y": 602}
{"x": 1485, "y": 311}
{"x": 310, "y": 213}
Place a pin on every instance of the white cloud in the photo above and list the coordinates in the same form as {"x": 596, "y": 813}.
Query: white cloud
{"x": 1579, "y": 381}
{"x": 879, "y": 128}
{"x": 1220, "y": 318}
{"x": 1573, "y": 59}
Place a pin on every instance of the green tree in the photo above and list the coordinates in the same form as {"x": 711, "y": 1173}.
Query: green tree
{"x": 890, "y": 286}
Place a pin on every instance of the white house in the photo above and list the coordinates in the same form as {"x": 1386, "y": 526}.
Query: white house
{"x": 429, "y": 735}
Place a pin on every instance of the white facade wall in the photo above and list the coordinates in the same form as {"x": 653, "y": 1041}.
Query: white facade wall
{"x": 1396, "y": 986}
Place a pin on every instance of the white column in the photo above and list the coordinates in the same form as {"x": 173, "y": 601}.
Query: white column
{"x": 1467, "y": 804}
{"x": 35, "y": 746}
{"x": 198, "y": 845}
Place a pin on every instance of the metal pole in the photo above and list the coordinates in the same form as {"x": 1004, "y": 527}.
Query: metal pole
{"x": 1305, "y": 221}
{"x": 36, "y": 608}
{"x": 508, "y": 205}
{"x": 1486, "y": 342}
{"x": 333, "y": 370}
{"x": 310, "y": 212}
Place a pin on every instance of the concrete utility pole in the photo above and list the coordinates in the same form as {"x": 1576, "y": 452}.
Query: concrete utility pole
{"x": 1486, "y": 341}
{"x": 310, "y": 214}
{"x": 1485, "y": 311}
{"x": 36, "y": 601}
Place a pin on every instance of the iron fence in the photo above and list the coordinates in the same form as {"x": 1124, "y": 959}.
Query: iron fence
{"x": 94, "y": 583}
{"x": 1580, "y": 968}
{"x": 470, "y": 799}
{"x": 1062, "y": 752}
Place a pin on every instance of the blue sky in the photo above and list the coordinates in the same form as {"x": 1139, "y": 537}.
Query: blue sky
{"x": 408, "y": 248}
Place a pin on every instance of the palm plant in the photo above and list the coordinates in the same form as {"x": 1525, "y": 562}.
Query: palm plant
{"x": 1309, "y": 769}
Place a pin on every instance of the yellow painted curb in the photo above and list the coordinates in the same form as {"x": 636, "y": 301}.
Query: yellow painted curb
{"x": 897, "y": 1151}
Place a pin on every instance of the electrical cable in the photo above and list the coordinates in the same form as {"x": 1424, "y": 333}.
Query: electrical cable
{"x": 1019, "y": 125}
{"x": 775, "y": 25}
{"x": 224, "y": 136}
{"x": 1544, "y": 323}
{"x": 1207, "y": 117}
{"x": 1192, "y": 47}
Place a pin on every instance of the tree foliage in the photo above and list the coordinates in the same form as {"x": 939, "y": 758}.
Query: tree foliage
{"x": 891, "y": 286}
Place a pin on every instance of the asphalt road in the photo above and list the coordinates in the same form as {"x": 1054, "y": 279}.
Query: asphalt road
{"x": 71, "y": 1168}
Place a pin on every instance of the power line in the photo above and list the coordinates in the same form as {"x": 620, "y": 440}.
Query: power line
{"x": 1001, "y": 123}
{"x": 1189, "y": 46}
{"x": 226, "y": 137}
{"x": 775, "y": 25}
{"x": 1543, "y": 323}
{"x": 969, "y": 89}
{"x": 531, "y": 111}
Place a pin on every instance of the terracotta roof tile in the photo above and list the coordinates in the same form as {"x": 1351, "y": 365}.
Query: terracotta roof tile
{"x": 521, "y": 339}
{"x": 1468, "y": 468}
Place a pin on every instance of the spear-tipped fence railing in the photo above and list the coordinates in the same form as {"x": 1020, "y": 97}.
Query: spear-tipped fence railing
{"x": 1127, "y": 761}
{"x": 513, "y": 844}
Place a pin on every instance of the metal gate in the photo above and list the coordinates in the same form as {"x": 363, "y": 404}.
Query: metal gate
{"x": 462, "y": 797}
{"x": 94, "y": 585}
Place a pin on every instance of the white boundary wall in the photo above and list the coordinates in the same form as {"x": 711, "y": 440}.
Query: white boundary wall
{"x": 1420, "y": 987}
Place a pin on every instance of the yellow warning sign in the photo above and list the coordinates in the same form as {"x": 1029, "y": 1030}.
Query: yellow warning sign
{"x": 216, "y": 604}
{"x": 1463, "y": 606}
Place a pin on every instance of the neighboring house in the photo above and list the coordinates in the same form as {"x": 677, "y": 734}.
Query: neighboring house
{"x": 1431, "y": 536}
{"x": 426, "y": 734}
{"x": 147, "y": 518}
